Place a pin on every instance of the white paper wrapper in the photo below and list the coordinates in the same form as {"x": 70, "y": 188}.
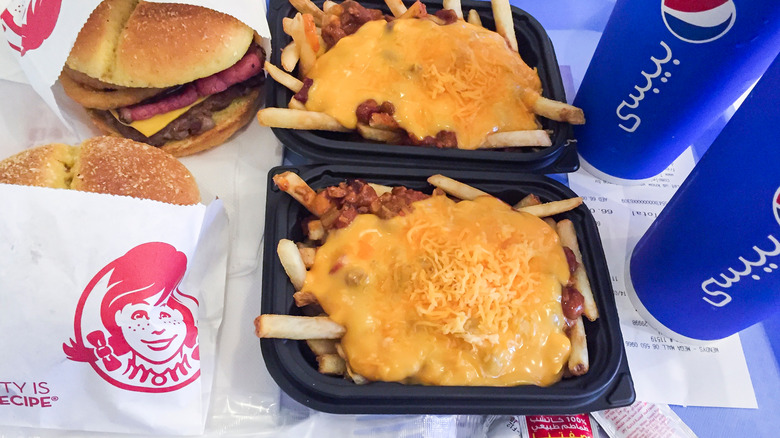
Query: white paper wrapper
{"x": 113, "y": 304}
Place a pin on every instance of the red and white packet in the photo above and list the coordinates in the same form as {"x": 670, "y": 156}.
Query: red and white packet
{"x": 110, "y": 306}
{"x": 544, "y": 426}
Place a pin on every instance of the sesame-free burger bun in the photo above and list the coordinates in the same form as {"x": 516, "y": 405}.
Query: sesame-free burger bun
{"x": 105, "y": 164}
{"x": 182, "y": 64}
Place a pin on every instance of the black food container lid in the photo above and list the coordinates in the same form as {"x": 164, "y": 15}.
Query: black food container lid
{"x": 607, "y": 384}
{"x": 536, "y": 50}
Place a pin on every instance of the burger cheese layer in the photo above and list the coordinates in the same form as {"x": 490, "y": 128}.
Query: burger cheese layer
{"x": 463, "y": 293}
{"x": 457, "y": 77}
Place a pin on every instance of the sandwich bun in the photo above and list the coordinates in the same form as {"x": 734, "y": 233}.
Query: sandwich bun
{"x": 104, "y": 164}
{"x": 132, "y": 52}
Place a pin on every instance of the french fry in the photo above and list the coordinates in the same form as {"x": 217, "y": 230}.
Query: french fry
{"x": 290, "y": 56}
{"x": 505, "y": 26}
{"x": 331, "y": 364}
{"x": 298, "y": 119}
{"x": 552, "y": 208}
{"x": 307, "y": 255}
{"x": 578, "y": 356}
{"x": 297, "y": 327}
{"x": 315, "y": 230}
{"x": 456, "y": 188}
{"x": 380, "y": 189}
{"x": 536, "y": 137}
{"x": 327, "y": 5}
{"x": 454, "y": 5}
{"x": 581, "y": 281}
{"x": 474, "y": 18}
{"x": 290, "y": 82}
{"x": 292, "y": 262}
{"x": 293, "y": 185}
{"x": 296, "y": 104}
{"x": 322, "y": 346}
{"x": 308, "y": 7}
{"x": 304, "y": 298}
{"x": 559, "y": 111}
{"x": 416, "y": 10}
{"x": 300, "y": 28}
{"x": 529, "y": 199}
{"x": 396, "y": 7}
{"x": 378, "y": 134}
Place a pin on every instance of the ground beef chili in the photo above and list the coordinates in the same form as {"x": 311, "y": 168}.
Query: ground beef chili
{"x": 352, "y": 16}
{"x": 572, "y": 301}
{"x": 447, "y": 15}
{"x": 302, "y": 95}
{"x": 357, "y": 197}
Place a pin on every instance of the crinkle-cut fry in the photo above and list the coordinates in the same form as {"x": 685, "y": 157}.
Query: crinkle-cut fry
{"x": 529, "y": 199}
{"x": 322, "y": 346}
{"x": 380, "y": 189}
{"x": 456, "y": 188}
{"x": 508, "y": 139}
{"x": 296, "y": 28}
{"x": 297, "y": 327}
{"x": 558, "y": 111}
{"x": 293, "y": 185}
{"x": 396, "y": 7}
{"x": 505, "y": 26}
{"x": 578, "y": 356}
{"x": 416, "y": 10}
{"x": 289, "y": 81}
{"x": 331, "y": 364}
{"x": 289, "y": 57}
{"x": 378, "y": 134}
{"x": 308, "y": 7}
{"x": 552, "y": 208}
{"x": 292, "y": 262}
{"x": 581, "y": 282}
{"x": 304, "y": 298}
{"x": 474, "y": 18}
{"x": 454, "y": 5}
{"x": 298, "y": 119}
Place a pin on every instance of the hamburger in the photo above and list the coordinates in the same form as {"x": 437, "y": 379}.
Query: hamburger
{"x": 104, "y": 164}
{"x": 179, "y": 77}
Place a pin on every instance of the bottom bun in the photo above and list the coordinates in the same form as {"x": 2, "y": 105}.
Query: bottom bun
{"x": 227, "y": 121}
{"x": 105, "y": 164}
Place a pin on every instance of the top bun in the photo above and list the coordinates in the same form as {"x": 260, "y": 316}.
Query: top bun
{"x": 110, "y": 165}
{"x": 140, "y": 44}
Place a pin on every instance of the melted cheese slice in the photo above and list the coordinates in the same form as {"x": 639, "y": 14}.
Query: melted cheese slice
{"x": 154, "y": 124}
{"x": 457, "y": 77}
{"x": 463, "y": 293}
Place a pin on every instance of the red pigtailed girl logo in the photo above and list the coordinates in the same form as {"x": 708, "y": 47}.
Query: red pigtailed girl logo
{"x": 27, "y": 23}
{"x": 133, "y": 324}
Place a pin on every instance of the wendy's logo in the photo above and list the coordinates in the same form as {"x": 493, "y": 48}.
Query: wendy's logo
{"x": 27, "y": 23}
{"x": 134, "y": 326}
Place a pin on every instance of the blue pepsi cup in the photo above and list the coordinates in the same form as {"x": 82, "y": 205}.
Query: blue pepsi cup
{"x": 709, "y": 266}
{"x": 663, "y": 71}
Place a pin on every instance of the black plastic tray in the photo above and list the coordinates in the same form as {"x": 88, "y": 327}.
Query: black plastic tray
{"x": 331, "y": 147}
{"x": 607, "y": 385}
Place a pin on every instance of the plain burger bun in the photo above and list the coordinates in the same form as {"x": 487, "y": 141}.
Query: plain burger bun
{"x": 130, "y": 52}
{"x": 105, "y": 164}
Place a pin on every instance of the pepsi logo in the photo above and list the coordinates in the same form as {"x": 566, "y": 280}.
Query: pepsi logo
{"x": 776, "y": 205}
{"x": 698, "y": 21}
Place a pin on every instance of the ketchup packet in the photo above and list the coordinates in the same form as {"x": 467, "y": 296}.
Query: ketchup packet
{"x": 544, "y": 426}
{"x": 109, "y": 310}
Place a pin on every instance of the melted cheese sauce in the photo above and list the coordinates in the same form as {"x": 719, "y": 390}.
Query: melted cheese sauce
{"x": 463, "y": 293}
{"x": 457, "y": 77}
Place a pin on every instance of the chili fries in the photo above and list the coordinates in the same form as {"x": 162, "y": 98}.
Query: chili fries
{"x": 308, "y": 29}
{"x": 323, "y": 335}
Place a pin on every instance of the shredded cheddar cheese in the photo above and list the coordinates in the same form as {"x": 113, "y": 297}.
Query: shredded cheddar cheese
{"x": 463, "y": 293}
{"x": 457, "y": 77}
